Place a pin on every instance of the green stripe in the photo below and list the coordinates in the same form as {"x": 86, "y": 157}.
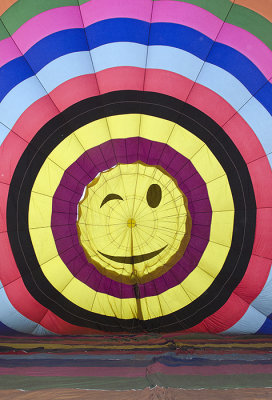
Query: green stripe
{"x": 24, "y": 10}
{"x": 240, "y": 16}
{"x": 86, "y": 382}
{"x": 119, "y": 383}
{"x": 251, "y": 22}
{"x": 3, "y": 32}
{"x": 220, "y": 8}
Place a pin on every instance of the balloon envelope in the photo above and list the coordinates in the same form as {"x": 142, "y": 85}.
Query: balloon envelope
{"x": 135, "y": 166}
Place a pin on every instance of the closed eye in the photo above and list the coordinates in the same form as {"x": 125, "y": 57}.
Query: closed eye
{"x": 111, "y": 196}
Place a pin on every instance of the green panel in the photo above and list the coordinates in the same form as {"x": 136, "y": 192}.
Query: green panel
{"x": 220, "y": 8}
{"x": 195, "y": 382}
{"x": 251, "y": 22}
{"x": 3, "y": 32}
{"x": 81, "y": 382}
{"x": 24, "y": 10}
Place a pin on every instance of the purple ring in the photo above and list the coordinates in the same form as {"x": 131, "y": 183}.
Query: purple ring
{"x": 84, "y": 170}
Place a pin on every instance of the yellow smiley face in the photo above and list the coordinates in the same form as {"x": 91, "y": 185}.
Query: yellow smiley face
{"x": 133, "y": 222}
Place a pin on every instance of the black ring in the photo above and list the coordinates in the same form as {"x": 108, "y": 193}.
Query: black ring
{"x": 123, "y": 102}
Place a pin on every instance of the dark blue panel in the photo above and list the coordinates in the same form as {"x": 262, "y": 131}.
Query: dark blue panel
{"x": 181, "y": 37}
{"x": 117, "y": 30}
{"x": 54, "y": 46}
{"x": 4, "y": 330}
{"x": 238, "y": 65}
{"x": 266, "y": 328}
{"x": 131, "y": 30}
{"x": 265, "y": 96}
{"x": 13, "y": 73}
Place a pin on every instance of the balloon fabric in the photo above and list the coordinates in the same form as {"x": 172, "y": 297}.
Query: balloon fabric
{"x": 135, "y": 166}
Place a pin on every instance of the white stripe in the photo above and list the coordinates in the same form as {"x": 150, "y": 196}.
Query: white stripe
{"x": 65, "y": 68}
{"x": 118, "y": 54}
{"x": 10, "y": 317}
{"x": 19, "y": 99}
{"x": 250, "y": 323}
{"x": 4, "y": 131}
{"x": 263, "y": 302}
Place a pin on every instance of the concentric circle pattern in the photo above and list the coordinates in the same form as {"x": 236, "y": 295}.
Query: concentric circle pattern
{"x": 135, "y": 167}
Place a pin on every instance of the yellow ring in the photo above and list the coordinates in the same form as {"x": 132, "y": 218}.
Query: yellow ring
{"x": 118, "y": 127}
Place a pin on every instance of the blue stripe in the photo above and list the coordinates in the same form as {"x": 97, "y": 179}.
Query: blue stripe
{"x": 133, "y": 54}
{"x": 64, "y": 68}
{"x": 265, "y": 96}
{"x": 266, "y": 328}
{"x": 181, "y": 37}
{"x": 238, "y": 65}
{"x": 19, "y": 99}
{"x": 54, "y": 46}
{"x": 117, "y": 30}
{"x": 135, "y": 31}
{"x": 12, "y": 73}
{"x": 4, "y": 330}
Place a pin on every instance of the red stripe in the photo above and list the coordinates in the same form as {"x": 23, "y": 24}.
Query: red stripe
{"x": 262, "y": 244}
{"x": 57, "y": 325}
{"x": 8, "y": 269}
{"x": 254, "y": 279}
{"x": 37, "y": 115}
{"x": 120, "y": 78}
{"x": 212, "y": 105}
{"x": 203, "y": 370}
{"x": 232, "y": 311}
{"x": 74, "y": 90}
{"x": 261, "y": 176}
{"x": 10, "y": 152}
{"x": 4, "y": 188}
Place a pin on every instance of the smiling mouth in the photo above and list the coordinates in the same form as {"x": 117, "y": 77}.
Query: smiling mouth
{"x": 133, "y": 259}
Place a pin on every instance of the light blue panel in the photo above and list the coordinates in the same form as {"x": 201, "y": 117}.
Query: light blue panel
{"x": 14, "y": 320}
{"x": 119, "y": 54}
{"x": 263, "y": 302}
{"x": 64, "y": 68}
{"x": 41, "y": 331}
{"x": 4, "y": 131}
{"x": 250, "y": 323}
{"x": 260, "y": 120}
{"x": 19, "y": 99}
{"x": 224, "y": 84}
{"x": 175, "y": 60}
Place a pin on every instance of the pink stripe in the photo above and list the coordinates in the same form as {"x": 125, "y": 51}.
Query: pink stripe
{"x": 203, "y": 370}
{"x": 188, "y": 15}
{"x": 45, "y": 24}
{"x": 249, "y": 45}
{"x": 8, "y": 51}
{"x": 208, "y": 24}
{"x": 97, "y": 10}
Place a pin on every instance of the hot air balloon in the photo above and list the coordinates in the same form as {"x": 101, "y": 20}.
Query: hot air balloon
{"x": 135, "y": 166}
